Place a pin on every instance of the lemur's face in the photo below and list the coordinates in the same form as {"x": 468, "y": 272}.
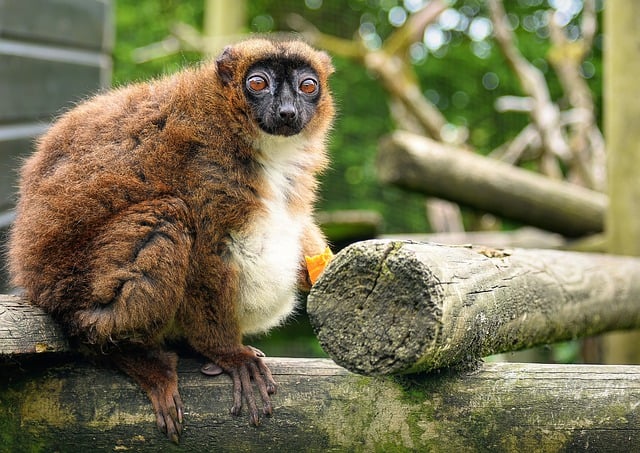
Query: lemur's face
{"x": 283, "y": 95}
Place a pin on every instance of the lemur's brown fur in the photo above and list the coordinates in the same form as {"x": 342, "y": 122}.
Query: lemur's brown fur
{"x": 130, "y": 209}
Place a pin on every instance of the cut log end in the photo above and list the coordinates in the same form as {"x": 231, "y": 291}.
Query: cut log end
{"x": 362, "y": 276}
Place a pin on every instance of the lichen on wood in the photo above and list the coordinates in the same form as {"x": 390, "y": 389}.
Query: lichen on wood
{"x": 322, "y": 407}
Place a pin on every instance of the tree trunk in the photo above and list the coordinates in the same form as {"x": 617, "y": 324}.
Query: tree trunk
{"x": 224, "y": 21}
{"x": 622, "y": 110}
{"x": 418, "y": 163}
{"x": 384, "y": 307}
{"x": 74, "y": 406}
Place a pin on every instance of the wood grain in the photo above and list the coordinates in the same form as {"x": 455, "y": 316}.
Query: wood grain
{"x": 25, "y": 329}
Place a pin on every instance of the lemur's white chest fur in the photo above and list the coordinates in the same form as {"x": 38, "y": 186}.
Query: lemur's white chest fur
{"x": 269, "y": 255}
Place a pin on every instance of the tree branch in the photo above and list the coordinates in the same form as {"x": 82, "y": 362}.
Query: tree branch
{"x": 566, "y": 58}
{"x": 412, "y": 30}
{"x": 426, "y": 166}
{"x": 544, "y": 114}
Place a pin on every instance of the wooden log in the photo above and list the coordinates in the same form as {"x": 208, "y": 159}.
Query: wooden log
{"x": 344, "y": 227}
{"x": 59, "y": 402}
{"x": 623, "y": 178}
{"x": 524, "y": 237}
{"x": 74, "y": 406}
{"x": 384, "y": 307}
{"x": 420, "y": 164}
{"x": 25, "y": 329}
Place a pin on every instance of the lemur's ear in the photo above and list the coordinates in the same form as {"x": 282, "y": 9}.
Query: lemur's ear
{"x": 325, "y": 61}
{"x": 225, "y": 64}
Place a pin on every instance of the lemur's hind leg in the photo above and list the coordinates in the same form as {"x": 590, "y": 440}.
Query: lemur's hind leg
{"x": 138, "y": 273}
{"x": 155, "y": 371}
{"x": 136, "y": 286}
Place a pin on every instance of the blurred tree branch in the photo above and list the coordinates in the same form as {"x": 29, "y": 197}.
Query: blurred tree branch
{"x": 391, "y": 65}
{"x": 580, "y": 145}
{"x": 545, "y": 115}
{"x": 566, "y": 57}
{"x": 409, "y": 107}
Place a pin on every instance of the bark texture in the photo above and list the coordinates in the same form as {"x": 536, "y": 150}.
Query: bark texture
{"x": 73, "y": 406}
{"x": 25, "y": 329}
{"x": 386, "y": 307}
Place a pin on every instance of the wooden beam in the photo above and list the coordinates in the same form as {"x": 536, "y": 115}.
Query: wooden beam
{"x": 385, "y": 307}
{"x": 621, "y": 106}
{"x": 74, "y": 406}
{"x": 26, "y": 329}
{"x": 420, "y": 164}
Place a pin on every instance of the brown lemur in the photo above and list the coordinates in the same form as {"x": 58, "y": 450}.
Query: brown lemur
{"x": 180, "y": 207}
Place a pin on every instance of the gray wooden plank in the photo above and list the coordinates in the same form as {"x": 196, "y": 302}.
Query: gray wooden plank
{"x": 40, "y": 88}
{"x": 78, "y": 23}
{"x": 11, "y": 152}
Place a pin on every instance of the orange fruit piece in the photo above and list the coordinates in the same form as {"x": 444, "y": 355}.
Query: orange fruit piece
{"x": 317, "y": 263}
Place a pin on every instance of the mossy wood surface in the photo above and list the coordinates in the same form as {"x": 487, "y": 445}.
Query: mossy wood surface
{"x": 74, "y": 406}
{"x": 420, "y": 164}
{"x": 385, "y": 307}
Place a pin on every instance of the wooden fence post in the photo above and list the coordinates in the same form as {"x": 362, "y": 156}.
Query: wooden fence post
{"x": 622, "y": 110}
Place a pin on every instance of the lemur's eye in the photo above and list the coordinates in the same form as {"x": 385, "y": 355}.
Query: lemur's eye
{"x": 309, "y": 86}
{"x": 257, "y": 83}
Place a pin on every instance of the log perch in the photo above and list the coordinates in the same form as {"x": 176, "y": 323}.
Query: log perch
{"x": 387, "y": 307}
{"x": 72, "y": 406}
{"x": 60, "y": 402}
{"x": 26, "y": 329}
{"x": 417, "y": 163}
